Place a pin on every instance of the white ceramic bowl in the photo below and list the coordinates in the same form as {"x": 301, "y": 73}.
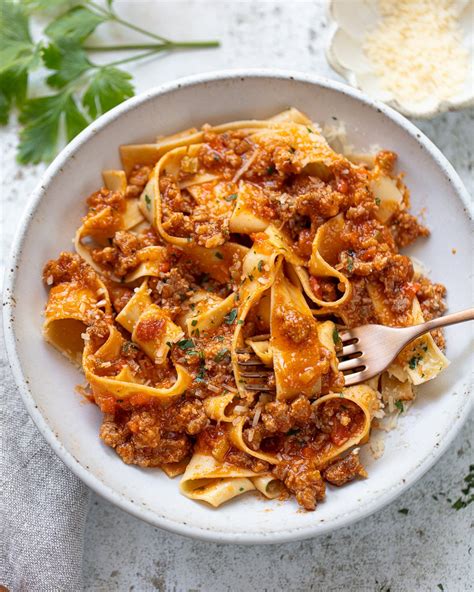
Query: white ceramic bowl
{"x": 352, "y": 19}
{"x": 47, "y": 380}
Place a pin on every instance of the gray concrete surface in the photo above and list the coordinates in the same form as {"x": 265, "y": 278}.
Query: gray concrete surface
{"x": 428, "y": 548}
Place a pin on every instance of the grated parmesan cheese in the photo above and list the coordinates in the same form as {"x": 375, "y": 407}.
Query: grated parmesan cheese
{"x": 417, "y": 50}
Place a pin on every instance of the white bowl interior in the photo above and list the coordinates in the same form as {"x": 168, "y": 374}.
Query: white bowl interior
{"x": 71, "y": 425}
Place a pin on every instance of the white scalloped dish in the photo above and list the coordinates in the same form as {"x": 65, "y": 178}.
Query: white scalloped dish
{"x": 354, "y": 20}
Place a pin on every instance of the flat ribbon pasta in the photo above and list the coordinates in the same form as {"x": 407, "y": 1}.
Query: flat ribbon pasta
{"x": 125, "y": 383}
{"x": 71, "y": 308}
{"x": 325, "y": 250}
{"x": 100, "y": 226}
{"x": 215, "y": 483}
{"x": 151, "y": 327}
{"x": 294, "y": 342}
{"x": 260, "y": 267}
{"x": 149, "y": 154}
{"x": 357, "y": 430}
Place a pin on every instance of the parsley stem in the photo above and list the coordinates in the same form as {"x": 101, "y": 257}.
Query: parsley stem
{"x": 117, "y": 19}
{"x": 155, "y": 46}
{"x": 135, "y": 57}
{"x": 114, "y": 17}
{"x": 111, "y": 15}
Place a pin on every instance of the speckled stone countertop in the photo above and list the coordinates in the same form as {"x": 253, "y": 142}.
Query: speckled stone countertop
{"x": 428, "y": 546}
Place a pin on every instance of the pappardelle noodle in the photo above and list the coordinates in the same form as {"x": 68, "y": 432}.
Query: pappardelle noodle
{"x": 203, "y": 302}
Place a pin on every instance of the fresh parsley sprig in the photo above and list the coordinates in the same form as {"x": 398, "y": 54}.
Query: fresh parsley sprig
{"x": 84, "y": 90}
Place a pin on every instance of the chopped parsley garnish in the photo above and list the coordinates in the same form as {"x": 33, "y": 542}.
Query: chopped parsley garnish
{"x": 441, "y": 587}
{"x": 350, "y": 263}
{"x": 271, "y": 169}
{"x": 195, "y": 332}
{"x": 468, "y": 498}
{"x": 335, "y": 336}
{"x": 292, "y": 431}
{"x": 378, "y": 201}
{"x": 414, "y": 361}
{"x": 260, "y": 265}
{"x": 129, "y": 347}
{"x": 230, "y": 317}
{"x": 219, "y": 338}
{"x": 221, "y": 354}
{"x": 241, "y": 488}
{"x": 148, "y": 201}
{"x": 231, "y": 197}
{"x": 403, "y": 511}
{"x": 310, "y": 130}
{"x": 219, "y": 255}
{"x": 240, "y": 322}
{"x": 399, "y": 406}
{"x": 194, "y": 322}
{"x": 185, "y": 344}
{"x": 201, "y": 374}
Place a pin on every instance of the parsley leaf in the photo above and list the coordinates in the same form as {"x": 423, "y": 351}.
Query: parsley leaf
{"x": 414, "y": 361}
{"x": 335, "y": 336}
{"x": 350, "y": 263}
{"x": 230, "y": 317}
{"x": 33, "y": 5}
{"x": 17, "y": 49}
{"x": 75, "y": 25}
{"x": 108, "y": 87}
{"x": 67, "y": 59}
{"x": 13, "y": 85}
{"x": 399, "y": 406}
{"x": 221, "y": 354}
{"x": 403, "y": 511}
{"x": 42, "y": 118}
{"x": 185, "y": 344}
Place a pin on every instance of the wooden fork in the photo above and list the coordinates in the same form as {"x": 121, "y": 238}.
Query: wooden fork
{"x": 366, "y": 351}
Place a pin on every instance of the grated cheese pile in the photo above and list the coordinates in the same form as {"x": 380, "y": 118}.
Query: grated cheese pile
{"x": 417, "y": 50}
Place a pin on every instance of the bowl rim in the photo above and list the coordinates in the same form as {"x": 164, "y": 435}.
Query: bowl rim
{"x": 106, "y": 491}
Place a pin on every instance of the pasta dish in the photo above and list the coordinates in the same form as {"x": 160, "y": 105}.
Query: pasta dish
{"x": 210, "y": 276}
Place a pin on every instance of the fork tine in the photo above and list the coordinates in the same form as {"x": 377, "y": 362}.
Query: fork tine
{"x": 348, "y": 350}
{"x": 354, "y": 378}
{"x": 259, "y": 387}
{"x": 252, "y": 362}
{"x": 345, "y": 335}
{"x": 260, "y": 337}
{"x": 261, "y": 374}
{"x": 351, "y": 364}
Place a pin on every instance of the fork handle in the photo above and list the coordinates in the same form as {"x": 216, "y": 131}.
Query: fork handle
{"x": 451, "y": 319}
